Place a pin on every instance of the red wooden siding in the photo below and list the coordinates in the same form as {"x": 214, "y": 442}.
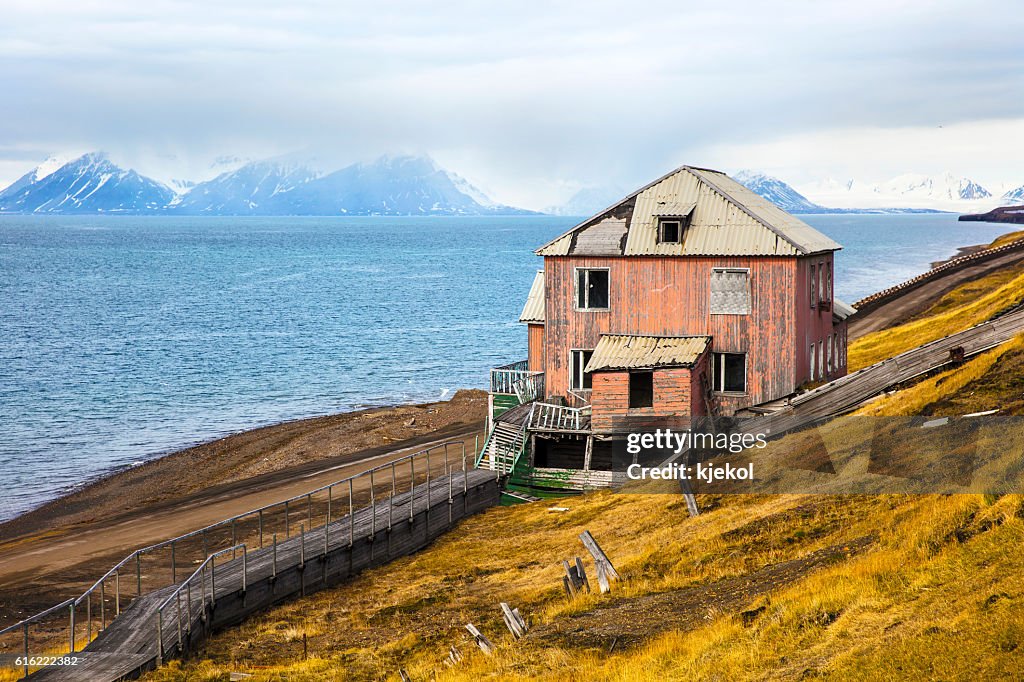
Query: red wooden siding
{"x": 673, "y": 396}
{"x": 814, "y": 324}
{"x": 670, "y": 296}
{"x": 535, "y": 344}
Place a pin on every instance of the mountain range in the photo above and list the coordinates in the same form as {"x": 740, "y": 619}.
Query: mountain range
{"x": 416, "y": 185}
{"x": 391, "y": 185}
{"x": 903, "y": 194}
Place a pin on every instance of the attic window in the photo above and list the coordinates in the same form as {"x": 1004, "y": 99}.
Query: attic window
{"x": 670, "y": 230}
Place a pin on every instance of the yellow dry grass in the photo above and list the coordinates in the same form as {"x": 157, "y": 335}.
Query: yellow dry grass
{"x": 1007, "y": 239}
{"x": 914, "y": 399}
{"x": 974, "y": 308}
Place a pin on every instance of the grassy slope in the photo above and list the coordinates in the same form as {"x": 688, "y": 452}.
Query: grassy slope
{"x": 969, "y": 304}
{"x": 936, "y": 593}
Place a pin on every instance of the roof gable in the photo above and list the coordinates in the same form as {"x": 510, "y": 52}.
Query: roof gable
{"x": 726, "y": 219}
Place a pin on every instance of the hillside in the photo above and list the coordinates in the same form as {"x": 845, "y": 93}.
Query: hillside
{"x": 787, "y": 587}
{"x": 1004, "y": 214}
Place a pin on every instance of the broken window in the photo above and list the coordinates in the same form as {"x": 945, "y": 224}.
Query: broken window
{"x": 580, "y": 380}
{"x": 592, "y": 288}
{"x": 670, "y": 230}
{"x": 814, "y": 286}
{"x": 730, "y": 291}
{"x": 641, "y": 389}
{"x": 729, "y": 372}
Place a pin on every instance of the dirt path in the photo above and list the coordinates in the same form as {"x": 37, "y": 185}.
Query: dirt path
{"x": 58, "y": 550}
{"x": 919, "y": 299}
{"x": 627, "y": 622}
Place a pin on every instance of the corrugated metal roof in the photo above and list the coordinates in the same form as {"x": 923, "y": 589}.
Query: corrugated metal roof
{"x": 533, "y": 311}
{"x": 619, "y": 351}
{"x": 727, "y": 219}
{"x": 842, "y": 310}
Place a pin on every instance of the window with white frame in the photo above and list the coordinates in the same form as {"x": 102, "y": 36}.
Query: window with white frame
{"x": 592, "y": 288}
{"x": 578, "y": 379}
{"x": 729, "y": 372}
{"x": 730, "y": 291}
{"x": 811, "y": 361}
{"x": 671, "y": 229}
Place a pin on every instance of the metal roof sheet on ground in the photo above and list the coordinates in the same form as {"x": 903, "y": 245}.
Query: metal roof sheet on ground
{"x": 620, "y": 351}
{"x": 727, "y": 219}
{"x": 842, "y": 310}
{"x": 533, "y": 311}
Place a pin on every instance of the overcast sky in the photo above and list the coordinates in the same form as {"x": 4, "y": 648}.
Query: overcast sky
{"x": 530, "y": 100}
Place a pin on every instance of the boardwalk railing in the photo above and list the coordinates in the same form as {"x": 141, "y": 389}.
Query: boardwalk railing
{"x": 156, "y": 566}
{"x": 184, "y": 627}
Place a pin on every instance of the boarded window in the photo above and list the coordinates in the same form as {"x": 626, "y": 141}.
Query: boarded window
{"x": 729, "y": 372}
{"x": 730, "y": 291}
{"x": 641, "y": 389}
{"x": 580, "y": 380}
{"x": 592, "y": 289}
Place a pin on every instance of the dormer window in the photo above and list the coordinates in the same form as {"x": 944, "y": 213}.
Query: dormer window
{"x": 670, "y": 229}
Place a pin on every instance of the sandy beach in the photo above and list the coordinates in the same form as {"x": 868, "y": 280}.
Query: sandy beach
{"x": 55, "y": 551}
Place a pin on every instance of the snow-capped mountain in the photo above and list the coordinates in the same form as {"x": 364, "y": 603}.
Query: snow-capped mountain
{"x": 945, "y": 192}
{"x": 391, "y": 185}
{"x": 252, "y": 189}
{"x": 589, "y": 200}
{"x": 777, "y": 192}
{"x": 89, "y": 184}
{"x": 1013, "y": 197}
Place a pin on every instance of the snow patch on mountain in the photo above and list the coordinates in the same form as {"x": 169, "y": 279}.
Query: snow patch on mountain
{"x": 944, "y": 192}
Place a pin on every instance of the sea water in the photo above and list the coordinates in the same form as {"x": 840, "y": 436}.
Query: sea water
{"x": 123, "y": 338}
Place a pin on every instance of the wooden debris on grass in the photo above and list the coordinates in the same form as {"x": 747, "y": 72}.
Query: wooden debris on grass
{"x": 481, "y": 641}
{"x": 575, "y": 578}
{"x": 605, "y": 570}
{"x": 513, "y": 621}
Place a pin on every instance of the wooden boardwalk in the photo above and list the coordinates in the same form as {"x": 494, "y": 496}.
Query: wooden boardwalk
{"x": 258, "y": 578}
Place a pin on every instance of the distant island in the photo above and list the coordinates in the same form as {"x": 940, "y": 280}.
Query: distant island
{"x": 1003, "y": 214}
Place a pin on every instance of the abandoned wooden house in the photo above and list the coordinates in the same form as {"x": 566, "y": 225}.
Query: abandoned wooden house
{"x": 693, "y": 296}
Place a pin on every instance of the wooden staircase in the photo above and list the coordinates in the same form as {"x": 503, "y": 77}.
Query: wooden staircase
{"x": 503, "y": 448}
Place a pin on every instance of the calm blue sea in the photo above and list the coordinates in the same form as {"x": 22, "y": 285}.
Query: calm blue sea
{"x": 125, "y": 338}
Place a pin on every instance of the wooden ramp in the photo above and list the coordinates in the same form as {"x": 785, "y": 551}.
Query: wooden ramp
{"x": 171, "y": 621}
{"x": 846, "y": 393}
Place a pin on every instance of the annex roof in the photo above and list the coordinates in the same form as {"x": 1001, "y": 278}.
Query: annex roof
{"x": 842, "y": 310}
{"x": 533, "y": 311}
{"x": 726, "y": 219}
{"x": 620, "y": 351}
